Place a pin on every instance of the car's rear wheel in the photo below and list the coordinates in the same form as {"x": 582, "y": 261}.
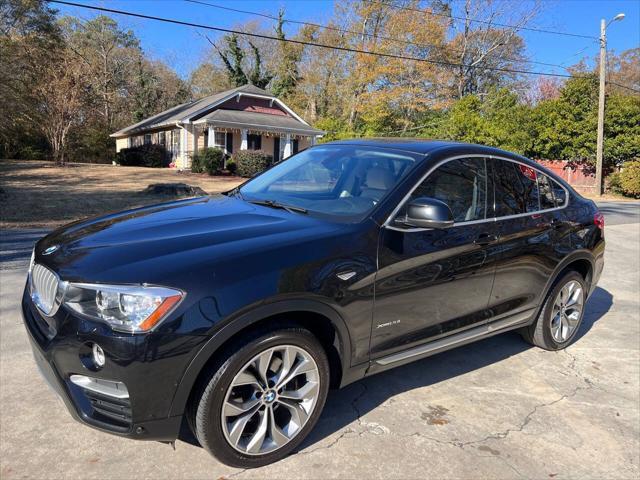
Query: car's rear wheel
{"x": 264, "y": 399}
{"x": 561, "y": 315}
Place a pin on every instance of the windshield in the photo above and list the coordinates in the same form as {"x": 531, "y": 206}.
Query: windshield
{"x": 344, "y": 181}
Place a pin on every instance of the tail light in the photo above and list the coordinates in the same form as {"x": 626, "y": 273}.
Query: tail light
{"x": 598, "y": 220}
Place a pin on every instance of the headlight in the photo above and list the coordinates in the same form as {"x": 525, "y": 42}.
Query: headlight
{"x": 126, "y": 308}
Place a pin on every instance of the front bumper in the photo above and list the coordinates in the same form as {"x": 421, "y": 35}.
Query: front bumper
{"x": 151, "y": 367}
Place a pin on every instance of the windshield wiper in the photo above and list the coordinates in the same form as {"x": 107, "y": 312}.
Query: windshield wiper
{"x": 235, "y": 192}
{"x": 274, "y": 204}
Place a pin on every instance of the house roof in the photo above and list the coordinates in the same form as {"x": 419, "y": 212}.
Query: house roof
{"x": 185, "y": 111}
{"x": 258, "y": 121}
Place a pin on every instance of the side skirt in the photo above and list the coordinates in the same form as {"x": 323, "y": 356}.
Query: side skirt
{"x": 468, "y": 336}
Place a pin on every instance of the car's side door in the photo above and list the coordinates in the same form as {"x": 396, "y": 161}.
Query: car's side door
{"x": 435, "y": 282}
{"x": 532, "y": 235}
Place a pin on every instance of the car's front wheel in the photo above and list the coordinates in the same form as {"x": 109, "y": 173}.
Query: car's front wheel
{"x": 264, "y": 398}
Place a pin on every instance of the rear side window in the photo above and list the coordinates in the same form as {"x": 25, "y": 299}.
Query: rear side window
{"x": 462, "y": 185}
{"x": 516, "y": 188}
{"x": 546, "y": 192}
{"x": 559, "y": 193}
{"x": 521, "y": 189}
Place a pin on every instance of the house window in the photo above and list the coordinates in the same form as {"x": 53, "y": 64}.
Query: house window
{"x": 254, "y": 142}
{"x": 147, "y": 138}
{"x": 175, "y": 143}
{"x": 161, "y": 139}
{"x": 220, "y": 140}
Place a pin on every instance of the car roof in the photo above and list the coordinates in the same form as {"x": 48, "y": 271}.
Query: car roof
{"x": 424, "y": 145}
{"x": 446, "y": 148}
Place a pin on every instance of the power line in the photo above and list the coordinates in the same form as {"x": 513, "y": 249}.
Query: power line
{"x": 341, "y": 30}
{"x": 314, "y": 44}
{"x": 622, "y": 86}
{"x": 308, "y": 43}
{"x": 504, "y": 25}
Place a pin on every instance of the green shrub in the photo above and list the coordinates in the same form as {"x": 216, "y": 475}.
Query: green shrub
{"x": 232, "y": 166}
{"x": 154, "y": 156}
{"x": 614, "y": 183}
{"x": 251, "y": 162}
{"x": 630, "y": 178}
{"x": 207, "y": 160}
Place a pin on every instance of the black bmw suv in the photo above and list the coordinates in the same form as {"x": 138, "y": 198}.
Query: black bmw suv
{"x": 237, "y": 313}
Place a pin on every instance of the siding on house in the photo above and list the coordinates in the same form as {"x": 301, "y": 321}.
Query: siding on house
{"x": 121, "y": 143}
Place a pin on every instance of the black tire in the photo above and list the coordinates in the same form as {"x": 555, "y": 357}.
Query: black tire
{"x": 206, "y": 407}
{"x": 539, "y": 332}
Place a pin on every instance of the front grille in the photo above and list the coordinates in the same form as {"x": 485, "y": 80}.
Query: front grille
{"x": 115, "y": 410}
{"x": 44, "y": 288}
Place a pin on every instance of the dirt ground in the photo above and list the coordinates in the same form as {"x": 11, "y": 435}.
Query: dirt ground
{"x": 40, "y": 194}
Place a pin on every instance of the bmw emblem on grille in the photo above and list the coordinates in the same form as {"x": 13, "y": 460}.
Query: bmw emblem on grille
{"x": 51, "y": 249}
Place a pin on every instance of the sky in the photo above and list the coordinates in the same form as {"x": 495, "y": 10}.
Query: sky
{"x": 183, "y": 47}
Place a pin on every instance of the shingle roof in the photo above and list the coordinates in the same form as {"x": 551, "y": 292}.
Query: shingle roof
{"x": 260, "y": 121}
{"x": 178, "y": 113}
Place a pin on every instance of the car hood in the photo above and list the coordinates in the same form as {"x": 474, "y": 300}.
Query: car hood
{"x": 152, "y": 243}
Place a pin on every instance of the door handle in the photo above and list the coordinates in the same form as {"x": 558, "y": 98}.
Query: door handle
{"x": 556, "y": 224}
{"x": 485, "y": 239}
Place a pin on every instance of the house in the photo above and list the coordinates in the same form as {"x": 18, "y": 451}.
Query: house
{"x": 244, "y": 118}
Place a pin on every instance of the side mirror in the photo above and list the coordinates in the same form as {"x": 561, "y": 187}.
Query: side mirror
{"x": 426, "y": 212}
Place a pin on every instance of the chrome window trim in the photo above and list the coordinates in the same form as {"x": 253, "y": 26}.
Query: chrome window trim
{"x": 388, "y": 223}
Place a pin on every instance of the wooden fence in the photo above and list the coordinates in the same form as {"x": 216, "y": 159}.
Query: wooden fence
{"x": 580, "y": 178}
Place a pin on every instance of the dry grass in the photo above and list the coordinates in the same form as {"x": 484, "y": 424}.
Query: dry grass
{"x": 39, "y": 194}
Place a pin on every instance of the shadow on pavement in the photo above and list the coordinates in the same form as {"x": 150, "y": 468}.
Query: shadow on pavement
{"x": 16, "y": 246}
{"x": 347, "y": 405}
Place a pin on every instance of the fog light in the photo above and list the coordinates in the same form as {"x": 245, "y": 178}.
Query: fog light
{"x": 98, "y": 355}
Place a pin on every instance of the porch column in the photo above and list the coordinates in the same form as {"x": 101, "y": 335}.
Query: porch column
{"x": 183, "y": 147}
{"x": 287, "y": 146}
{"x": 243, "y": 135}
{"x": 196, "y": 130}
{"x": 313, "y": 140}
{"x": 211, "y": 138}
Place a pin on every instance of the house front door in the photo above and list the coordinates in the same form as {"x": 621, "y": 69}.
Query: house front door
{"x": 229, "y": 143}
{"x": 276, "y": 149}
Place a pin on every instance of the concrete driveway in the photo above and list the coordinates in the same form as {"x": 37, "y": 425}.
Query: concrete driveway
{"x": 494, "y": 409}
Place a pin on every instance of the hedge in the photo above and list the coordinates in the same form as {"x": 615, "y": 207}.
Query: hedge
{"x": 630, "y": 178}
{"x": 154, "y": 156}
{"x": 251, "y": 162}
{"x": 209, "y": 160}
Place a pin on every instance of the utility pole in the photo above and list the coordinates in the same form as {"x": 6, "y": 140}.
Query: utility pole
{"x": 603, "y": 64}
{"x": 600, "y": 142}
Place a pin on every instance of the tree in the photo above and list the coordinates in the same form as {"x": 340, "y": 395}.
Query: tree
{"x": 109, "y": 55}
{"x": 391, "y": 92}
{"x": 157, "y": 88}
{"x": 566, "y": 126}
{"x": 483, "y": 44}
{"x": 29, "y": 37}
{"x": 286, "y": 75}
{"x": 497, "y": 120}
{"x": 207, "y": 79}
{"x": 61, "y": 101}
{"x": 233, "y": 57}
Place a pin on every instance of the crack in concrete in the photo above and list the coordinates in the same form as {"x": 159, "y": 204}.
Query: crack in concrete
{"x": 354, "y": 406}
{"x": 457, "y": 444}
{"x": 233, "y": 475}
{"x": 573, "y": 367}
{"x": 525, "y": 421}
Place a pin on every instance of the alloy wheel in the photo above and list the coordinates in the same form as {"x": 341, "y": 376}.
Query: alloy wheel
{"x": 567, "y": 311}
{"x": 270, "y": 400}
